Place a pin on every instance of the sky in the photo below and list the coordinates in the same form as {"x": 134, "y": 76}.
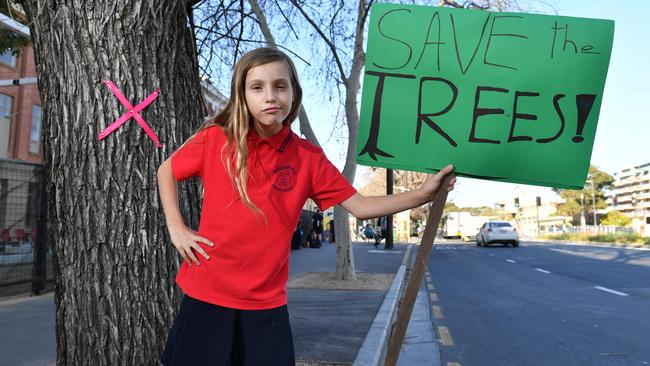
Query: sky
{"x": 623, "y": 132}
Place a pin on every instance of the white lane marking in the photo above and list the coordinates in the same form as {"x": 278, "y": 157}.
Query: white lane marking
{"x": 610, "y": 291}
{"x": 445, "y": 336}
{"x": 542, "y": 270}
{"x": 385, "y": 251}
{"x": 437, "y": 312}
{"x": 511, "y": 261}
{"x": 491, "y": 255}
{"x": 563, "y": 251}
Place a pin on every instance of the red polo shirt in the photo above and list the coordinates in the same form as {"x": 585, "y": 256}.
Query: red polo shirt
{"x": 249, "y": 263}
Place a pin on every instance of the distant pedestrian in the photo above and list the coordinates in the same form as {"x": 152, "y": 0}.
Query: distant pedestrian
{"x": 296, "y": 238}
{"x": 257, "y": 175}
{"x": 313, "y": 240}
{"x": 383, "y": 224}
{"x": 317, "y": 224}
{"x": 331, "y": 230}
{"x": 369, "y": 233}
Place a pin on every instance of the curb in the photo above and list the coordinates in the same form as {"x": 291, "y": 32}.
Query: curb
{"x": 373, "y": 349}
{"x": 590, "y": 243}
{"x": 21, "y": 298}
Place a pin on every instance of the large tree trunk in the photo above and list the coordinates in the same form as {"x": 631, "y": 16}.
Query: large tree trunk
{"x": 115, "y": 293}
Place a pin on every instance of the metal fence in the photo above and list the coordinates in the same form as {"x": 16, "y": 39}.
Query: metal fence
{"x": 589, "y": 229}
{"x": 25, "y": 255}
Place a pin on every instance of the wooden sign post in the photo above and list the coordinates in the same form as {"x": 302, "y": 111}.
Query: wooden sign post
{"x": 404, "y": 312}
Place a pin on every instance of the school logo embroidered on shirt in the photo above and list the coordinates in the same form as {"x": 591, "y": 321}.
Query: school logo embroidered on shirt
{"x": 284, "y": 178}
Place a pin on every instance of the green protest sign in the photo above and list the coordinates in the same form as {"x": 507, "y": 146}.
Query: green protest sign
{"x": 508, "y": 97}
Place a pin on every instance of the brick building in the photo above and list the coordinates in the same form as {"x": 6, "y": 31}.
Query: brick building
{"x": 20, "y": 109}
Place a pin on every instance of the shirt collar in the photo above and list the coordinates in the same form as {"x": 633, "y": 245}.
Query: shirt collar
{"x": 279, "y": 141}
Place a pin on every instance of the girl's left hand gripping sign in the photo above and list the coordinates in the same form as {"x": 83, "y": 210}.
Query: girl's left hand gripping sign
{"x": 131, "y": 112}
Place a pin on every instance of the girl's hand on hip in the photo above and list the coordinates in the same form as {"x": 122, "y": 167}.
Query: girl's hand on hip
{"x": 432, "y": 183}
{"x": 187, "y": 241}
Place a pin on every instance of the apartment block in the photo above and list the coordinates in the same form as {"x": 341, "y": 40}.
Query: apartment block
{"x": 631, "y": 196}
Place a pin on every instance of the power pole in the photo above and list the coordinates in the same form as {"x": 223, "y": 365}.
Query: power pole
{"x": 538, "y": 202}
{"x": 593, "y": 198}
{"x": 389, "y": 218}
{"x": 583, "y": 221}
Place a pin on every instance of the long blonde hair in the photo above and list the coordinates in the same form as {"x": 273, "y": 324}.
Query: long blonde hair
{"x": 236, "y": 120}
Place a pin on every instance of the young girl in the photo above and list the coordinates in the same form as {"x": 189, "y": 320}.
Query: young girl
{"x": 256, "y": 175}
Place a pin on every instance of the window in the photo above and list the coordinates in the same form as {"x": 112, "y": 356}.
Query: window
{"x": 5, "y": 106}
{"x": 500, "y": 224}
{"x": 5, "y": 124}
{"x": 8, "y": 58}
{"x": 35, "y": 135}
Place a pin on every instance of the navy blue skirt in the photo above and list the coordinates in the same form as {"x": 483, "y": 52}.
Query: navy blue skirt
{"x": 207, "y": 334}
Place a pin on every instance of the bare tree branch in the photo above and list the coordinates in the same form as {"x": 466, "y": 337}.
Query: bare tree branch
{"x": 329, "y": 43}
{"x": 254, "y": 41}
{"x": 286, "y": 19}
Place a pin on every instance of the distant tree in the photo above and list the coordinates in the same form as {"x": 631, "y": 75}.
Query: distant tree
{"x": 615, "y": 218}
{"x": 484, "y": 211}
{"x": 476, "y": 211}
{"x": 573, "y": 198}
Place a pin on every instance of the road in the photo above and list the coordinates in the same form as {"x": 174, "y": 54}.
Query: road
{"x": 540, "y": 304}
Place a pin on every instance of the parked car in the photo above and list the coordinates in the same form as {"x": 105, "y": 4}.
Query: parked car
{"x": 497, "y": 232}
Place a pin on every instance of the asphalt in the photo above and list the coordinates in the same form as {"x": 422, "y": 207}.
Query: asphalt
{"x": 330, "y": 327}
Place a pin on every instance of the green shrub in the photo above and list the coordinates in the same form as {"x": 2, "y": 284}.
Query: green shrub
{"x": 568, "y": 236}
{"x": 617, "y": 238}
{"x": 605, "y": 238}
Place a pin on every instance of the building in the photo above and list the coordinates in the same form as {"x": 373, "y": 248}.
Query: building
{"x": 535, "y": 213}
{"x": 20, "y": 109}
{"x": 214, "y": 100}
{"x": 21, "y": 140}
{"x": 631, "y": 196}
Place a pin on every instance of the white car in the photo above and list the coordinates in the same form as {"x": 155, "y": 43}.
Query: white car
{"x": 497, "y": 232}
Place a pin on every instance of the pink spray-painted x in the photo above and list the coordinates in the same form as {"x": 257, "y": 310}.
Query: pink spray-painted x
{"x": 132, "y": 112}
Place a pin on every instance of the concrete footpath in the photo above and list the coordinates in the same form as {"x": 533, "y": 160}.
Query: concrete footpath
{"x": 330, "y": 326}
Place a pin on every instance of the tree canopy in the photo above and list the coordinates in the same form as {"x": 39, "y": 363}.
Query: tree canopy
{"x": 615, "y": 218}
{"x": 573, "y": 204}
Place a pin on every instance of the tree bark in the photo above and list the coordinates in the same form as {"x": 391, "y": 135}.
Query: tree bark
{"x": 115, "y": 294}
{"x": 344, "y": 255}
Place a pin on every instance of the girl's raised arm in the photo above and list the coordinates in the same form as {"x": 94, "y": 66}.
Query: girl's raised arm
{"x": 364, "y": 207}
